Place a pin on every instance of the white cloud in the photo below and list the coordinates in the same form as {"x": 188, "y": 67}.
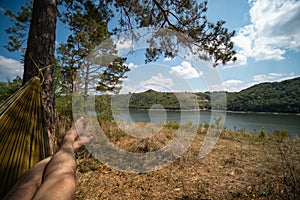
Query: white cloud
{"x": 158, "y": 82}
{"x": 123, "y": 43}
{"x": 232, "y": 82}
{"x": 186, "y": 71}
{"x": 241, "y": 60}
{"x": 216, "y": 87}
{"x": 10, "y": 68}
{"x": 233, "y": 85}
{"x": 132, "y": 65}
{"x": 270, "y": 77}
{"x": 273, "y": 30}
{"x": 167, "y": 59}
{"x": 265, "y": 77}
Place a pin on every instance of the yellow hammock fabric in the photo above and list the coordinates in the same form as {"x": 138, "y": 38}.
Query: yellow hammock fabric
{"x": 23, "y": 135}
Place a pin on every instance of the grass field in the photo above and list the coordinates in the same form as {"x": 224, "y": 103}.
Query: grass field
{"x": 241, "y": 166}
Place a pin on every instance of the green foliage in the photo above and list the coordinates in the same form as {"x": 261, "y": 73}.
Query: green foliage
{"x": 262, "y": 133}
{"x": 171, "y": 125}
{"x": 88, "y": 28}
{"x": 187, "y": 17}
{"x": 88, "y": 23}
{"x": 284, "y": 99}
{"x": 63, "y": 106}
{"x": 169, "y": 100}
{"x": 267, "y": 97}
{"x": 206, "y": 124}
{"x": 103, "y": 108}
{"x": 110, "y": 79}
{"x": 18, "y": 32}
{"x": 203, "y": 100}
{"x": 9, "y": 87}
{"x": 280, "y": 134}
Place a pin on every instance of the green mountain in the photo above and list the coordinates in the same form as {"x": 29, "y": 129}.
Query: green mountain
{"x": 267, "y": 97}
{"x": 264, "y": 97}
{"x": 151, "y": 99}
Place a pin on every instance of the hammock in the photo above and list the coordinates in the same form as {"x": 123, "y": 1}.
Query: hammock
{"x": 23, "y": 135}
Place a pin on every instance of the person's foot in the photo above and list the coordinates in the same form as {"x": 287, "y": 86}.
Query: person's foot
{"x": 80, "y": 125}
{"x": 83, "y": 136}
{"x": 82, "y": 140}
{"x": 78, "y": 134}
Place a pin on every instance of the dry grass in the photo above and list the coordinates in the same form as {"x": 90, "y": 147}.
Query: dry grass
{"x": 241, "y": 166}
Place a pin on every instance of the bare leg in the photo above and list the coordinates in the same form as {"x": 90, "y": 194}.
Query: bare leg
{"x": 59, "y": 174}
{"x": 27, "y": 185}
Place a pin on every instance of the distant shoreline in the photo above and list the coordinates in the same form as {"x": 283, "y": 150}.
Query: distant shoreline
{"x": 227, "y": 111}
{"x": 271, "y": 113}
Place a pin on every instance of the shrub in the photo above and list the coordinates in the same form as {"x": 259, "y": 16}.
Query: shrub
{"x": 172, "y": 124}
{"x": 262, "y": 133}
{"x": 280, "y": 134}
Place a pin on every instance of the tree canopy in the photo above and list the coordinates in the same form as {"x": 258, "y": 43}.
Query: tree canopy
{"x": 18, "y": 32}
{"x": 186, "y": 17}
{"x": 90, "y": 22}
{"x": 267, "y": 97}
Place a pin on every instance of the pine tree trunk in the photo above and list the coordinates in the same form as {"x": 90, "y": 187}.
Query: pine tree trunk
{"x": 40, "y": 50}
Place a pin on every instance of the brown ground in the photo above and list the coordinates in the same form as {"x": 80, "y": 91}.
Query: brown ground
{"x": 241, "y": 166}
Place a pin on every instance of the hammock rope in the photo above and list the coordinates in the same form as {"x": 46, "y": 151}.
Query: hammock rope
{"x": 40, "y": 70}
{"x": 24, "y": 138}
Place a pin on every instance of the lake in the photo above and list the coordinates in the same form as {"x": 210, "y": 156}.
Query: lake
{"x": 251, "y": 122}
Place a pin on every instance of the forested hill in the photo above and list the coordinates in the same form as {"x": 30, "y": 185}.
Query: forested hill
{"x": 265, "y": 97}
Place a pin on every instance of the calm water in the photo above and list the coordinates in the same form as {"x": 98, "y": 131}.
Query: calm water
{"x": 252, "y": 122}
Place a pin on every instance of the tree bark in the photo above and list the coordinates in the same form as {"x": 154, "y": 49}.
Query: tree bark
{"x": 40, "y": 54}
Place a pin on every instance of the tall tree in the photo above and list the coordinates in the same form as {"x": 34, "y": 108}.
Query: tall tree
{"x": 40, "y": 54}
{"x": 187, "y": 17}
{"x": 88, "y": 23}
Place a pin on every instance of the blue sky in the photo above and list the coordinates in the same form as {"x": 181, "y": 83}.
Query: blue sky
{"x": 267, "y": 42}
